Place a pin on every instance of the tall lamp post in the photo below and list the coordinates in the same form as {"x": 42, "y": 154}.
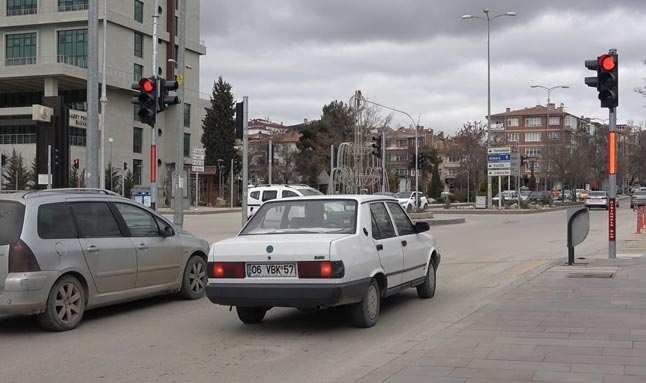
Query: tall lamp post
{"x": 488, "y": 17}
{"x": 110, "y": 141}
{"x": 547, "y": 119}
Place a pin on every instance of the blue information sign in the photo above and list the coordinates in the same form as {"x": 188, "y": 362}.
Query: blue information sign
{"x": 498, "y": 157}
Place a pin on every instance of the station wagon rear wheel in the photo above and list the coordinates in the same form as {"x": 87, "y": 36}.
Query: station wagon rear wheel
{"x": 366, "y": 313}
{"x": 65, "y": 305}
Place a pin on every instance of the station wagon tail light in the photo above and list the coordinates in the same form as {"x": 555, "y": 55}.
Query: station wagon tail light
{"x": 321, "y": 270}
{"x": 21, "y": 258}
{"x": 226, "y": 270}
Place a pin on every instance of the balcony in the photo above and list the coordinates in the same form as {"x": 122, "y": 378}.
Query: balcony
{"x": 20, "y": 11}
{"x": 79, "y": 61}
{"x": 20, "y": 61}
{"x": 74, "y": 6}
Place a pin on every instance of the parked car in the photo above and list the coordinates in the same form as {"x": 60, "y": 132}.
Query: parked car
{"x": 407, "y": 200}
{"x": 257, "y": 195}
{"x": 320, "y": 252}
{"x": 638, "y": 199}
{"x": 63, "y": 252}
{"x": 540, "y": 197}
{"x": 581, "y": 194}
{"x": 508, "y": 196}
{"x": 597, "y": 199}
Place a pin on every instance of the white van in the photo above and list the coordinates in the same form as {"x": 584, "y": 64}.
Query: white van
{"x": 262, "y": 193}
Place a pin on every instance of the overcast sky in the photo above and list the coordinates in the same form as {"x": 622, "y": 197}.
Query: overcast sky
{"x": 293, "y": 56}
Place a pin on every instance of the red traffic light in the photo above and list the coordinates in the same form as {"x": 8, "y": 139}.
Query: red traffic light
{"x": 147, "y": 85}
{"x": 607, "y": 62}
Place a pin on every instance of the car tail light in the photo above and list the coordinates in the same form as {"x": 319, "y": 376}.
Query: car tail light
{"x": 226, "y": 270}
{"x": 21, "y": 258}
{"x": 321, "y": 270}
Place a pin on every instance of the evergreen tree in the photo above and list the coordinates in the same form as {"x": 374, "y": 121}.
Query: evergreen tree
{"x": 436, "y": 183}
{"x": 16, "y": 174}
{"x": 218, "y": 136}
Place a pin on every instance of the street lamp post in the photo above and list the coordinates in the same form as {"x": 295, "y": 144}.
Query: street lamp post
{"x": 547, "y": 119}
{"x": 488, "y": 17}
{"x": 110, "y": 140}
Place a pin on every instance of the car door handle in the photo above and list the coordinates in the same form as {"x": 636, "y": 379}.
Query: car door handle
{"x": 380, "y": 247}
{"x": 404, "y": 243}
{"x": 142, "y": 246}
{"x": 92, "y": 249}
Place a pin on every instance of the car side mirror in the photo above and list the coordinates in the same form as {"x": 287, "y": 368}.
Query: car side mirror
{"x": 421, "y": 226}
{"x": 167, "y": 231}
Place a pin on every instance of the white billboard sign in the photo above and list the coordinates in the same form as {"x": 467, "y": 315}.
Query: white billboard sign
{"x": 499, "y": 150}
{"x": 77, "y": 119}
{"x": 499, "y": 172}
{"x": 41, "y": 113}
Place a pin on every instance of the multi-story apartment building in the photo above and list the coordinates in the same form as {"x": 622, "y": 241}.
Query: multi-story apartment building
{"x": 43, "y": 53}
{"x": 400, "y": 153}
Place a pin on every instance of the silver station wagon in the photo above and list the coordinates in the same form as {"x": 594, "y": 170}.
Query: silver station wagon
{"x": 68, "y": 250}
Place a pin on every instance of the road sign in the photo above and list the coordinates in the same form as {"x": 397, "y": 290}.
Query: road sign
{"x": 499, "y": 150}
{"x": 499, "y": 157}
{"x": 77, "y": 119}
{"x": 197, "y": 160}
{"x": 41, "y": 113}
{"x": 499, "y": 172}
{"x": 499, "y": 165}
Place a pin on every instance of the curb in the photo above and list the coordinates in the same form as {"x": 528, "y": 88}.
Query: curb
{"x": 500, "y": 212}
{"x": 201, "y": 212}
{"x": 443, "y": 221}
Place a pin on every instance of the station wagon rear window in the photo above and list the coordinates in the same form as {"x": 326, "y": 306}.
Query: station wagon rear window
{"x": 11, "y": 217}
{"x": 304, "y": 217}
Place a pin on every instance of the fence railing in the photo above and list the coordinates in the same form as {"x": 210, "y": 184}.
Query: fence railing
{"x": 19, "y": 11}
{"x": 76, "y": 6}
{"x": 20, "y": 60}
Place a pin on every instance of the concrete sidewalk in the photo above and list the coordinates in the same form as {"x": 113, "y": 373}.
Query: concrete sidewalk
{"x": 202, "y": 210}
{"x": 584, "y": 323}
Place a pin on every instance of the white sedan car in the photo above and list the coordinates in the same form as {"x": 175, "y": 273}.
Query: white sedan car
{"x": 319, "y": 252}
{"x": 407, "y": 200}
{"x": 597, "y": 199}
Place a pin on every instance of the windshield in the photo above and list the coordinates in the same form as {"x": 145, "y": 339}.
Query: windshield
{"x": 597, "y": 194}
{"x": 403, "y": 195}
{"x": 304, "y": 217}
{"x": 11, "y": 217}
{"x": 308, "y": 192}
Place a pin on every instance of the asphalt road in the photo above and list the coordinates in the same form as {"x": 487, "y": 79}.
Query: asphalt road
{"x": 170, "y": 340}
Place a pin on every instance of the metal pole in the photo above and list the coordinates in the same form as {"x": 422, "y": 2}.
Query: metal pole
{"x": 197, "y": 189}
{"x": 416, "y": 171}
{"x": 270, "y": 160}
{"x": 111, "y": 184}
{"x": 104, "y": 99}
{"x": 499, "y": 192}
{"x": 612, "y": 185}
{"x": 178, "y": 212}
{"x": 153, "y": 140}
{"x": 384, "y": 177}
{"x": 231, "y": 186}
{"x": 245, "y": 157}
{"x": 92, "y": 95}
{"x": 49, "y": 167}
{"x": 489, "y": 191}
{"x": 330, "y": 186}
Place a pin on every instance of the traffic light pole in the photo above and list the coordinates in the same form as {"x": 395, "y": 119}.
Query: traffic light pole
{"x": 612, "y": 184}
{"x": 178, "y": 198}
{"x": 153, "y": 137}
{"x": 384, "y": 177}
{"x": 245, "y": 157}
{"x": 92, "y": 98}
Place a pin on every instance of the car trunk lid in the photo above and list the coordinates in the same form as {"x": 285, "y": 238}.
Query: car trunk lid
{"x": 11, "y": 219}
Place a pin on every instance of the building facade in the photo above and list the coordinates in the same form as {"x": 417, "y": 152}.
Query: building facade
{"x": 43, "y": 53}
{"x": 400, "y": 154}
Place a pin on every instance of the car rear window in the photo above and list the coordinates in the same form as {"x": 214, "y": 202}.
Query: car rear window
{"x": 55, "y": 221}
{"x": 12, "y": 215}
{"x": 597, "y": 194}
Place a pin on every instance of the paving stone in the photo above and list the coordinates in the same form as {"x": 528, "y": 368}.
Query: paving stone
{"x": 598, "y": 368}
{"x": 492, "y": 374}
{"x": 567, "y": 377}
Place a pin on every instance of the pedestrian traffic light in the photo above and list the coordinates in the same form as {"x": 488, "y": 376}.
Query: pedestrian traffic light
{"x": 76, "y": 164}
{"x": 165, "y": 98}
{"x": 3, "y": 161}
{"x": 239, "y": 119}
{"x": 376, "y": 146}
{"x": 146, "y": 100}
{"x": 607, "y": 79}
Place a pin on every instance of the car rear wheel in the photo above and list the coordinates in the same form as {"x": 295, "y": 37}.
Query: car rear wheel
{"x": 195, "y": 279}
{"x": 427, "y": 289}
{"x": 65, "y": 305}
{"x": 366, "y": 313}
{"x": 251, "y": 315}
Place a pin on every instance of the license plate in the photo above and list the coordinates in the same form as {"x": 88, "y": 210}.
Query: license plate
{"x": 271, "y": 270}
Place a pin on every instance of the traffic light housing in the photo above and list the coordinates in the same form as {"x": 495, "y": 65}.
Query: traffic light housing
{"x": 239, "y": 122}
{"x": 3, "y": 160}
{"x": 56, "y": 158}
{"x": 125, "y": 166}
{"x": 376, "y": 146}
{"x": 165, "y": 98}
{"x": 147, "y": 99}
{"x": 607, "y": 79}
{"x": 76, "y": 164}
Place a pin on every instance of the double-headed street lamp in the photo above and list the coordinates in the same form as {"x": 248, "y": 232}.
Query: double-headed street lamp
{"x": 550, "y": 89}
{"x": 488, "y": 17}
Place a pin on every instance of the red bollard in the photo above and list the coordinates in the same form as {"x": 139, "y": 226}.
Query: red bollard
{"x": 643, "y": 211}
{"x": 639, "y": 221}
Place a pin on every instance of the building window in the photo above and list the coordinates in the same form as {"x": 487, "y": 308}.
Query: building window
{"x": 555, "y": 121}
{"x": 554, "y": 135}
{"x": 139, "y": 11}
{"x": 135, "y": 113}
{"x": 533, "y": 122}
{"x": 19, "y": 99}
{"x": 512, "y": 122}
{"x": 20, "y": 49}
{"x": 139, "y": 44}
{"x": 533, "y": 152}
{"x": 21, "y": 7}
{"x": 513, "y": 137}
{"x": 138, "y": 72}
{"x": 176, "y": 26}
{"x": 187, "y": 115}
{"x": 12, "y": 135}
{"x": 72, "y": 5}
{"x": 137, "y": 140}
{"x": 533, "y": 137}
{"x": 137, "y": 166}
{"x": 78, "y": 136}
{"x": 187, "y": 144}
{"x": 72, "y": 47}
